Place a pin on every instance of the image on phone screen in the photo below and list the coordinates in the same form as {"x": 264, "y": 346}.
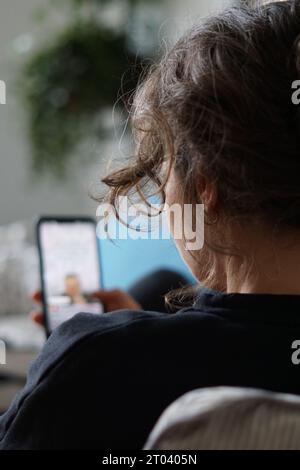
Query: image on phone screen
{"x": 71, "y": 271}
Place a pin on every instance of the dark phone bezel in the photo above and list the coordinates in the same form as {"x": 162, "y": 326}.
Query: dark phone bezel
{"x": 61, "y": 219}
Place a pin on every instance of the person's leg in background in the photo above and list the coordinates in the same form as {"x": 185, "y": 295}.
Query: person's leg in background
{"x": 150, "y": 290}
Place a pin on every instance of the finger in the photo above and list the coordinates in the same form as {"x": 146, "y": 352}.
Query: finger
{"x": 37, "y": 317}
{"x": 106, "y": 295}
{"x": 37, "y": 296}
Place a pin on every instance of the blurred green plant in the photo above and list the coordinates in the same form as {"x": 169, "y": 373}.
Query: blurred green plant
{"x": 69, "y": 81}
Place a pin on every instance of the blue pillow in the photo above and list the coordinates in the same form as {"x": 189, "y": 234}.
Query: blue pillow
{"x": 125, "y": 261}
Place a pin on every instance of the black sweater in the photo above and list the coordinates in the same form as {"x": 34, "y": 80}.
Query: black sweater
{"x": 101, "y": 382}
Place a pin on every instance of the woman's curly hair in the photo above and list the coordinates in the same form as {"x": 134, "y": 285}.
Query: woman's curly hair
{"x": 219, "y": 104}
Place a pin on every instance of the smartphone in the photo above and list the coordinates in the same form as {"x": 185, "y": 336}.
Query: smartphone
{"x": 69, "y": 267}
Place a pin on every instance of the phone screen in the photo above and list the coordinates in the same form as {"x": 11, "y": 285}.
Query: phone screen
{"x": 70, "y": 269}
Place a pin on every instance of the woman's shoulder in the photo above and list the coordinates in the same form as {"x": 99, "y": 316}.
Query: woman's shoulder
{"x": 90, "y": 335}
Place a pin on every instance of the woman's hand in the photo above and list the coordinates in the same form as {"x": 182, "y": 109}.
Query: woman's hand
{"x": 115, "y": 299}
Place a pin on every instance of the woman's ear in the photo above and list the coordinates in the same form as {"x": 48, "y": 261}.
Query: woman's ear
{"x": 208, "y": 194}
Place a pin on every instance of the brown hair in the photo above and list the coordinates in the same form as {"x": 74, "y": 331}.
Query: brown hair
{"x": 219, "y": 104}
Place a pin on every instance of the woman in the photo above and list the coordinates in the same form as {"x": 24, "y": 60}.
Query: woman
{"x": 214, "y": 123}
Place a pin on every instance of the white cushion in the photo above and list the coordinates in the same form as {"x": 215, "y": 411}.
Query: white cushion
{"x": 229, "y": 418}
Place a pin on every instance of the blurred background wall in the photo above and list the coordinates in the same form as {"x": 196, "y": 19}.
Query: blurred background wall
{"x": 21, "y": 195}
